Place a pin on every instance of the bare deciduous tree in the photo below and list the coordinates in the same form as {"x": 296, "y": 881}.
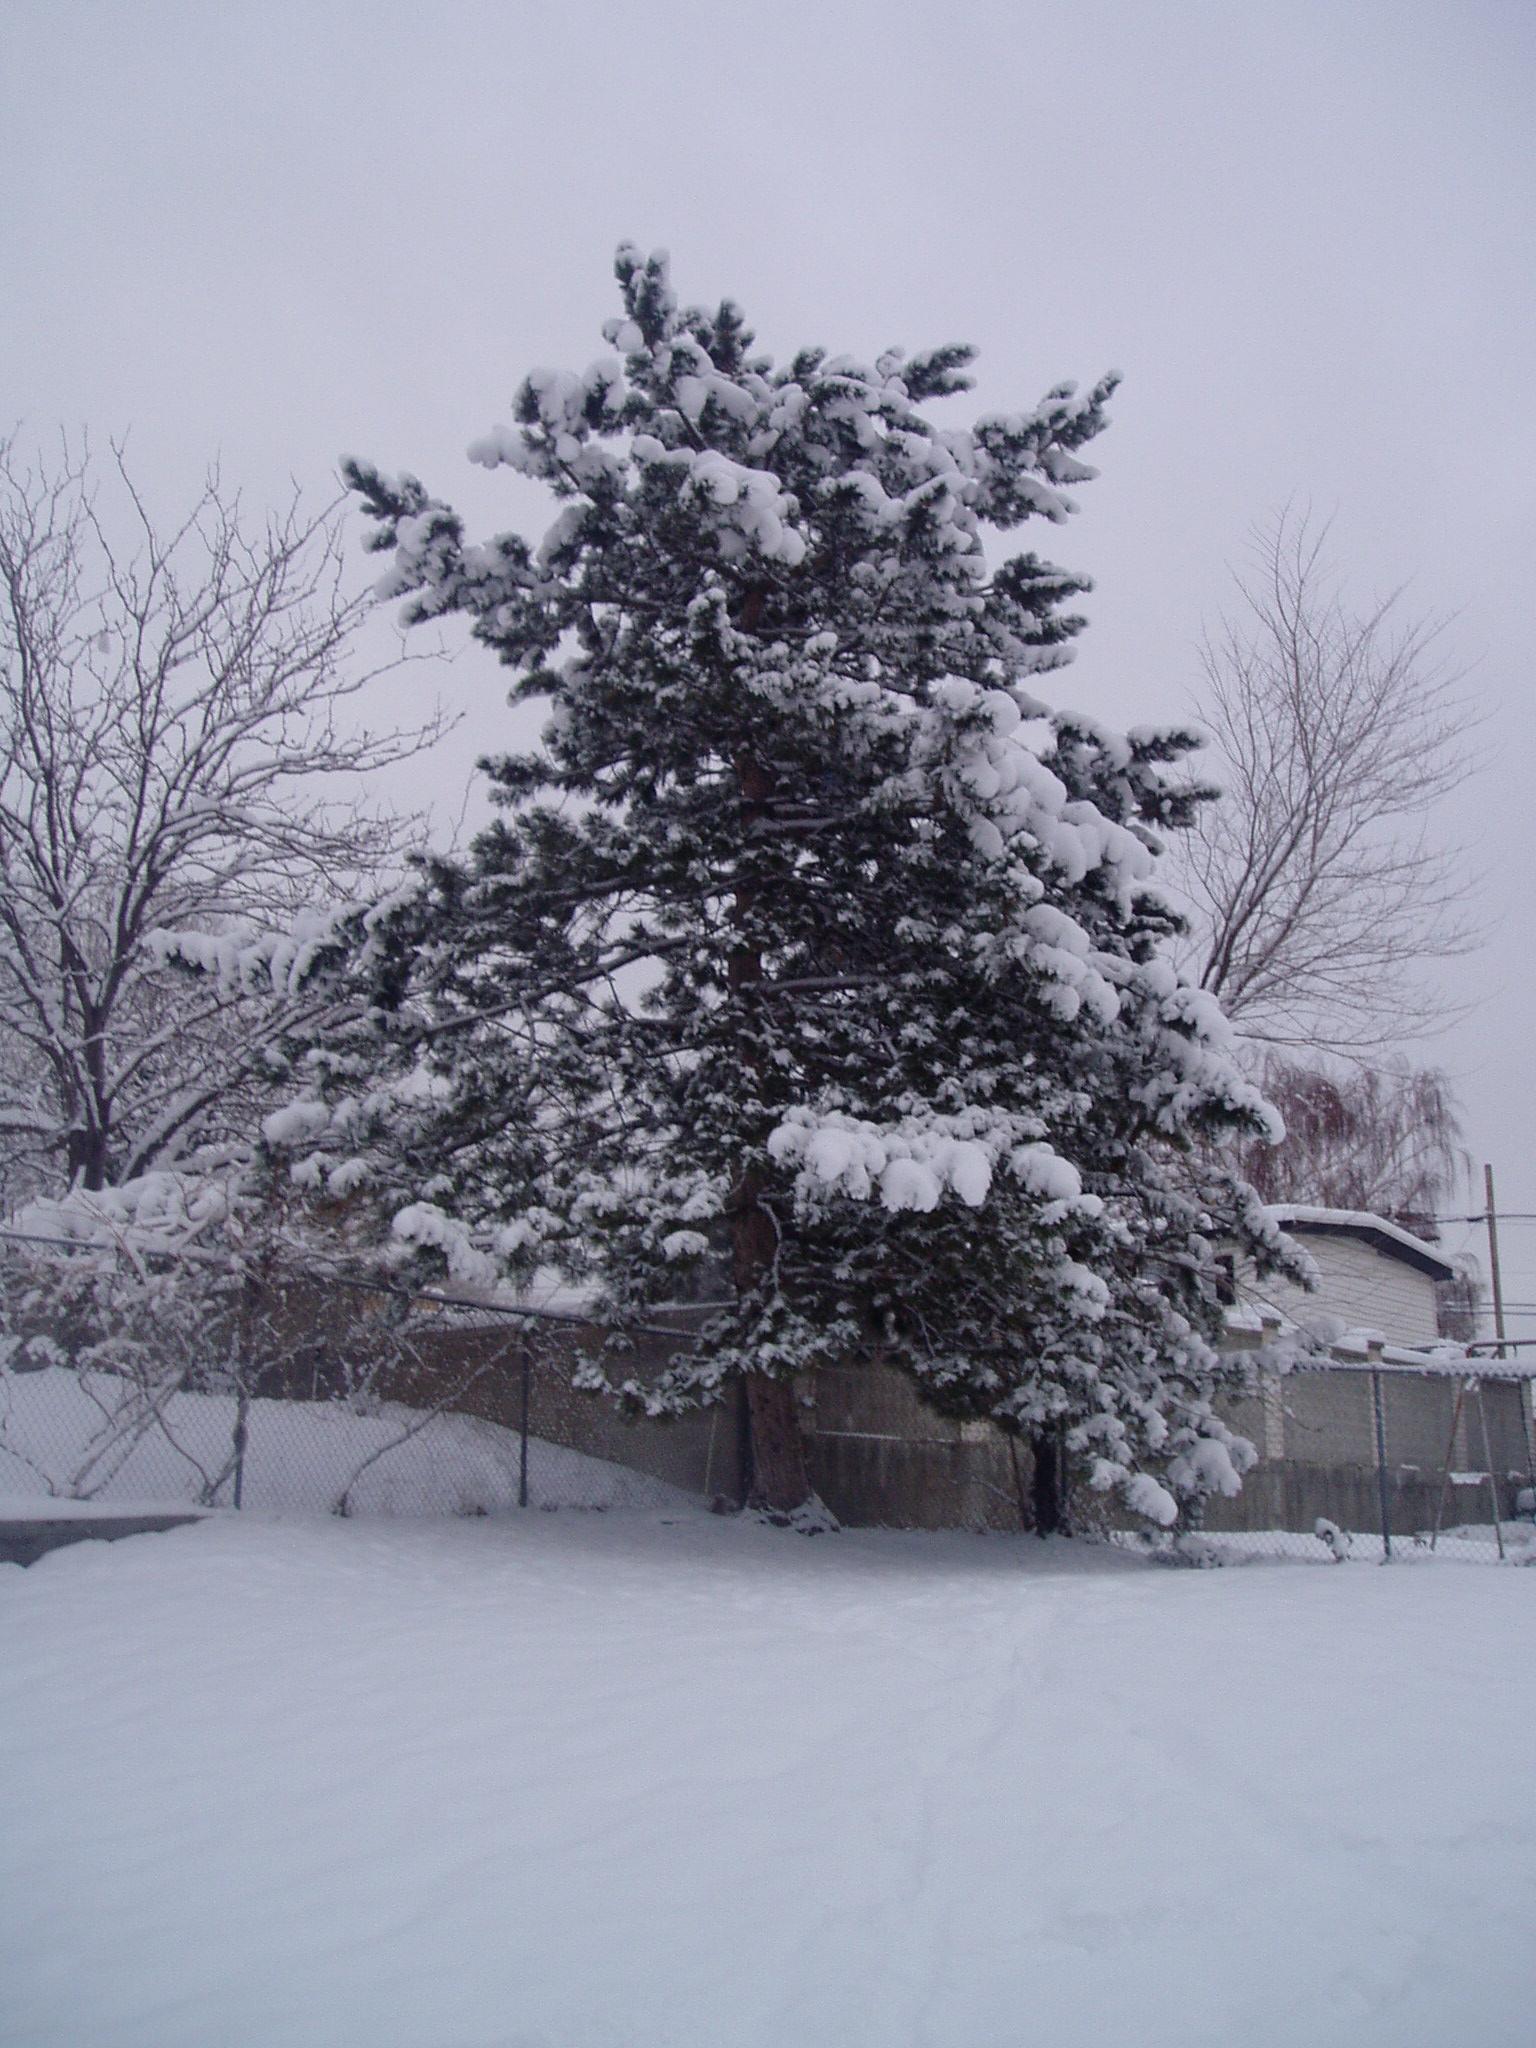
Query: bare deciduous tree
{"x": 1386, "y": 1139}
{"x": 1318, "y": 887}
{"x": 177, "y": 749}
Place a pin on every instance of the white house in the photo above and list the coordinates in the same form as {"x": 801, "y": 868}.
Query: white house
{"x": 1375, "y": 1278}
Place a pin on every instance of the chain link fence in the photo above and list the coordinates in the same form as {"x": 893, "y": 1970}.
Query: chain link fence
{"x": 302, "y": 1397}
{"x": 1381, "y": 1463}
{"x": 1355, "y": 1463}
{"x": 272, "y": 1396}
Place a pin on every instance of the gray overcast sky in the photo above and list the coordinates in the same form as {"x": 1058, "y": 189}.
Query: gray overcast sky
{"x": 274, "y": 232}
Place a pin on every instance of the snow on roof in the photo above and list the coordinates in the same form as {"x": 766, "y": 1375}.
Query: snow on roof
{"x": 1387, "y": 1236}
{"x": 1443, "y": 1361}
{"x": 1292, "y": 1346}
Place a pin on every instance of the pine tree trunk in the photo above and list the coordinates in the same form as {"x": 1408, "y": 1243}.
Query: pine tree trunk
{"x": 780, "y": 1476}
{"x": 1047, "y": 1488}
{"x": 781, "y": 1480}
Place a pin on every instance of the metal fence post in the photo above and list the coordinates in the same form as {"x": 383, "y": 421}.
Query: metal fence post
{"x": 251, "y": 1295}
{"x": 1383, "y": 1495}
{"x": 522, "y": 1431}
{"x": 242, "y": 1413}
{"x": 1493, "y": 1477}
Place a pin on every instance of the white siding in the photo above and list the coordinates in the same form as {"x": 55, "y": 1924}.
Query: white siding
{"x": 1365, "y": 1288}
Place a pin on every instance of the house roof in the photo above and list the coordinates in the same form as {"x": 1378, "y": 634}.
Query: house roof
{"x": 1384, "y": 1236}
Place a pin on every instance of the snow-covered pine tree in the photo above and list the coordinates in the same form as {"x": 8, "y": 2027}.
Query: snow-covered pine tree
{"x": 812, "y": 964}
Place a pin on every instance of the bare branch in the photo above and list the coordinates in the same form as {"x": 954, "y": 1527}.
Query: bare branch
{"x": 1318, "y": 886}
{"x": 179, "y": 748}
{"x": 1385, "y": 1139}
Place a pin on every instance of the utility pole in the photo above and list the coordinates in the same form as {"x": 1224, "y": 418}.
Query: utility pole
{"x": 1493, "y": 1257}
{"x": 1525, "y": 1390}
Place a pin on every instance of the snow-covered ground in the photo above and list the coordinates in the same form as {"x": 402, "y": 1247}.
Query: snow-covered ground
{"x": 65, "y": 1433}
{"x": 628, "y": 1781}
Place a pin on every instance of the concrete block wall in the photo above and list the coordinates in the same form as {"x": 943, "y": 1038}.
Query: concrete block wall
{"x": 882, "y": 1482}
{"x": 1506, "y": 1404}
{"x": 879, "y": 1456}
{"x": 701, "y": 1452}
{"x": 1328, "y": 1418}
{"x": 1329, "y": 1464}
{"x": 1294, "y": 1496}
{"x": 1419, "y": 1408}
